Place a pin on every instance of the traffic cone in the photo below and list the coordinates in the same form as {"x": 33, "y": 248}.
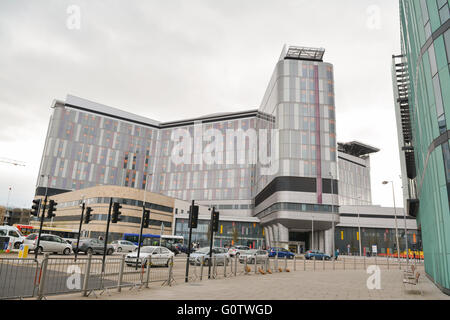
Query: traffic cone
{"x": 280, "y": 270}
{"x": 248, "y": 269}
{"x": 287, "y": 270}
{"x": 9, "y": 248}
{"x": 269, "y": 271}
{"x": 261, "y": 271}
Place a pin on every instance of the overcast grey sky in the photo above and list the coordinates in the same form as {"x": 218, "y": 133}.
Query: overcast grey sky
{"x": 173, "y": 59}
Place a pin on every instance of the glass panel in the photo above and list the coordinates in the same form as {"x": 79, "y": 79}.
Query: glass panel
{"x": 444, "y": 14}
{"x": 438, "y": 96}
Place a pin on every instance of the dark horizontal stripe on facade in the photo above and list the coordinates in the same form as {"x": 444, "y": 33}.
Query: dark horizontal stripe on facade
{"x": 359, "y": 164}
{"x": 172, "y": 125}
{"x": 355, "y": 215}
{"x": 296, "y": 184}
{"x": 41, "y": 191}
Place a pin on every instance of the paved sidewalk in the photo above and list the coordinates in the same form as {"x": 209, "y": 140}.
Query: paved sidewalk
{"x": 298, "y": 285}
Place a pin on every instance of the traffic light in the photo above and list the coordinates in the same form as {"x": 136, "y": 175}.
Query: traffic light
{"x": 88, "y": 215}
{"x": 35, "y": 207}
{"x": 116, "y": 212}
{"x": 51, "y": 208}
{"x": 194, "y": 216}
{"x": 215, "y": 221}
{"x": 146, "y": 221}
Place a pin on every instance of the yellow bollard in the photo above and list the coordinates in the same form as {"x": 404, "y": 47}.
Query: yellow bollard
{"x": 23, "y": 251}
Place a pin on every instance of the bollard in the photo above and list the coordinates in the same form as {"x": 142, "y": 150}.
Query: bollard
{"x": 43, "y": 276}
{"x": 323, "y": 263}
{"x": 235, "y": 265}
{"x": 201, "y": 268}
{"x": 364, "y": 262}
{"x": 256, "y": 266}
{"x": 295, "y": 259}
{"x": 119, "y": 281}
{"x": 86, "y": 275}
{"x": 354, "y": 262}
{"x": 344, "y": 263}
{"x": 304, "y": 263}
{"x": 388, "y": 262}
{"x": 333, "y": 263}
{"x": 376, "y": 260}
{"x": 314, "y": 258}
{"x": 285, "y": 263}
{"x": 214, "y": 267}
{"x": 147, "y": 272}
{"x": 266, "y": 262}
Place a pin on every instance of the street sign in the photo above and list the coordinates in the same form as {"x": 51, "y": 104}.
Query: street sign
{"x": 374, "y": 248}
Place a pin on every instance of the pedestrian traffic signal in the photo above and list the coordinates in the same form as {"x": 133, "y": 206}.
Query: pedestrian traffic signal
{"x": 35, "y": 207}
{"x": 146, "y": 221}
{"x": 193, "y": 216}
{"x": 51, "y": 209}
{"x": 88, "y": 215}
{"x": 215, "y": 221}
{"x": 116, "y": 212}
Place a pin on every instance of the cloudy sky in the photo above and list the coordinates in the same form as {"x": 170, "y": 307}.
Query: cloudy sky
{"x": 173, "y": 59}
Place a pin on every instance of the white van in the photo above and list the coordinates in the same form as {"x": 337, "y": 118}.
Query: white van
{"x": 16, "y": 238}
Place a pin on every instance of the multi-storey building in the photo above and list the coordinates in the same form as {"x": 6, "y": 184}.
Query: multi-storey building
{"x": 422, "y": 100}
{"x": 272, "y": 172}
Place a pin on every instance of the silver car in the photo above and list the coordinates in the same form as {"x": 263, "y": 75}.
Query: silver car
{"x": 48, "y": 243}
{"x": 156, "y": 255}
{"x": 253, "y": 255}
{"x": 123, "y": 246}
{"x": 221, "y": 255}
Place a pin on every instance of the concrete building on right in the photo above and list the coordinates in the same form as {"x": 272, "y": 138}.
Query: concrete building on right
{"x": 421, "y": 80}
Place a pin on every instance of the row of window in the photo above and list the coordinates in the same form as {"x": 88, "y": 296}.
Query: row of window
{"x": 130, "y": 202}
{"x": 298, "y": 207}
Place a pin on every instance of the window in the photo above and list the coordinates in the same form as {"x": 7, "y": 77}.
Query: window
{"x": 13, "y": 234}
{"x": 444, "y": 13}
{"x": 438, "y": 96}
{"x": 447, "y": 44}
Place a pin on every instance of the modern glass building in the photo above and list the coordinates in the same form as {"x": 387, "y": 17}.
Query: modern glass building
{"x": 422, "y": 99}
{"x": 276, "y": 174}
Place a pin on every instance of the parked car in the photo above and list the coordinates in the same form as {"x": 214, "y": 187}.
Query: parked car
{"x": 221, "y": 255}
{"x": 48, "y": 243}
{"x": 236, "y": 250}
{"x": 16, "y": 238}
{"x": 253, "y": 255}
{"x": 92, "y": 246}
{"x": 311, "y": 254}
{"x": 281, "y": 253}
{"x": 123, "y": 245}
{"x": 158, "y": 256}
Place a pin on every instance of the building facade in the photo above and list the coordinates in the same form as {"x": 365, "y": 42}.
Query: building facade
{"x": 422, "y": 101}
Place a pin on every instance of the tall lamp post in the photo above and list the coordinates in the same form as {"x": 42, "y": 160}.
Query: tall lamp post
{"x": 395, "y": 216}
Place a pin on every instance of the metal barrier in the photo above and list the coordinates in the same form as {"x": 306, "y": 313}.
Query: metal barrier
{"x": 19, "y": 278}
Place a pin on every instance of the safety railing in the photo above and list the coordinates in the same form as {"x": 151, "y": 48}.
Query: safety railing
{"x": 23, "y": 278}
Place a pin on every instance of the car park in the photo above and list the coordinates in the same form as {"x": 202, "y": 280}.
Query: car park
{"x": 47, "y": 243}
{"x": 253, "y": 255}
{"x": 16, "y": 238}
{"x": 92, "y": 246}
{"x": 221, "y": 255}
{"x": 317, "y": 255}
{"x": 156, "y": 255}
{"x": 123, "y": 246}
{"x": 280, "y": 253}
{"x": 236, "y": 250}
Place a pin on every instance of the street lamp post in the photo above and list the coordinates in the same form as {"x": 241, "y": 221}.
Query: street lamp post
{"x": 395, "y": 216}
